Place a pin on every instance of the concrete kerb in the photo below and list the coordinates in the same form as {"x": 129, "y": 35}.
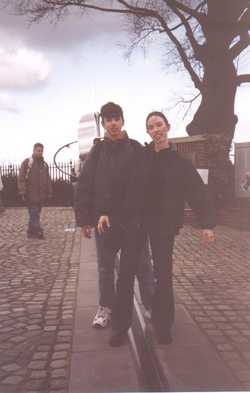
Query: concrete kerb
{"x": 95, "y": 366}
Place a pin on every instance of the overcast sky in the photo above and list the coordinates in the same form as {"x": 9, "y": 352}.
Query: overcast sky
{"x": 50, "y": 75}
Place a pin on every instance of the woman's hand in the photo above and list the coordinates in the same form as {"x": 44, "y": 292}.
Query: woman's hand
{"x": 103, "y": 224}
{"x": 207, "y": 236}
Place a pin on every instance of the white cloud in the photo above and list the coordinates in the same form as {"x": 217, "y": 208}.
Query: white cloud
{"x": 8, "y": 104}
{"x": 22, "y": 68}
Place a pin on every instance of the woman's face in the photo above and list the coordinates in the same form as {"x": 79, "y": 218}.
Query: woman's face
{"x": 158, "y": 129}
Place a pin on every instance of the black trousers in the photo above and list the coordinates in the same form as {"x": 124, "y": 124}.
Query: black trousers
{"x": 163, "y": 308}
{"x": 128, "y": 238}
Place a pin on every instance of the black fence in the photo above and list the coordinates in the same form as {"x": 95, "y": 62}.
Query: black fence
{"x": 62, "y": 187}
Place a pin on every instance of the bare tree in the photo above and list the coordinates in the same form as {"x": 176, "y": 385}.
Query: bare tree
{"x": 208, "y": 36}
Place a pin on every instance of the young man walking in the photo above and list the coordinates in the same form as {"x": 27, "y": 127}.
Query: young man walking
{"x": 35, "y": 188}
{"x": 109, "y": 198}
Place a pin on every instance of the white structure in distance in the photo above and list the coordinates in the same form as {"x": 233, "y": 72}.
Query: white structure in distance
{"x": 88, "y": 130}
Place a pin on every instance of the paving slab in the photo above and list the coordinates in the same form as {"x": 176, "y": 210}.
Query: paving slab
{"x": 190, "y": 362}
{"x": 95, "y": 366}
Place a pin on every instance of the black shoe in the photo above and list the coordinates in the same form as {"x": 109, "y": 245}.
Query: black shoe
{"x": 117, "y": 339}
{"x": 40, "y": 235}
{"x": 31, "y": 235}
{"x": 35, "y": 235}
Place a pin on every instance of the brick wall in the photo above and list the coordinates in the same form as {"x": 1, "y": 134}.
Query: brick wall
{"x": 193, "y": 148}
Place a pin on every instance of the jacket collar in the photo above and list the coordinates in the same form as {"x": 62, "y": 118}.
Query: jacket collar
{"x": 150, "y": 147}
{"x": 124, "y": 136}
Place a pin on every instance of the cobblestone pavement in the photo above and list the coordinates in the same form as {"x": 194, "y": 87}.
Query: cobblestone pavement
{"x": 213, "y": 283}
{"x": 38, "y": 284}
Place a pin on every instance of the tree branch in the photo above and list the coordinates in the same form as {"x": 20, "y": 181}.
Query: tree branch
{"x": 181, "y": 52}
{"x": 243, "y": 78}
{"x": 189, "y": 17}
{"x": 194, "y": 44}
{"x": 56, "y": 5}
{"x": 184, "y": 102}
{"x": 244, "y": 42}
{"x": 191, "y": 11}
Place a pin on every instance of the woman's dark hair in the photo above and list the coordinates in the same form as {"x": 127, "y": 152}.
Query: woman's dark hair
{"x": 111, "y": 110}
{"x": 156, "y": 113}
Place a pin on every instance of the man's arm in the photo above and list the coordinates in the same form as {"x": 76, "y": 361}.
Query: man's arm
{"x": 84, "y": 194}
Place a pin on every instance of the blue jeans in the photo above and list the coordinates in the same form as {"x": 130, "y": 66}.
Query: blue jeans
{"x": 133, "y": 261}
{"x": 34, "y": 225}
{"x": 129, "y": 239}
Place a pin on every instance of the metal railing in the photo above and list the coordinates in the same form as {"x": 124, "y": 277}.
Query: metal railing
{"x": 60, "y": 175}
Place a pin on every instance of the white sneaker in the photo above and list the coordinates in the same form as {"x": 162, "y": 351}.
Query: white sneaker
{"x": 102, "y": 317}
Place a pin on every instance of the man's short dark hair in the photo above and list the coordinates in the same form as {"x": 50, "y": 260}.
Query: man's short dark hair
{"x": 110, "y": 110}
{"x": 38, "y": 145}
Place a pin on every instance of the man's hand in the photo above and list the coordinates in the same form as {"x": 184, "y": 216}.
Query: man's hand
{"x": 86, "y": 231}
{"x": 103, "y": 224}
{"x": 207, "y": 236}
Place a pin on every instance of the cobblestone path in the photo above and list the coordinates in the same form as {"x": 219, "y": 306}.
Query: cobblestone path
{"x": 38, "y": 284}
{"x": 38, "y": 281}
{"x": 214, "y": 285}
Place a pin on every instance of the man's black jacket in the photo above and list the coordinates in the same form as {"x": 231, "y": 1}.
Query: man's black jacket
{"x": 112, "y": 182}
{"x": 172, "y": 181}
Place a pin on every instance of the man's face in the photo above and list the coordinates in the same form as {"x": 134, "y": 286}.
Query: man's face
{"x": 113, "y": 125}
{"x": 38, "y": 152}
{"x": 157, "y": 129}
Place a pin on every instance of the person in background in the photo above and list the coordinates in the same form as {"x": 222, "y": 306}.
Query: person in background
{"x": 79, "y": 165}
{"x": 172, "y": 180}
{"x": 35, "y": 188}
{"x": 75, "y": 173}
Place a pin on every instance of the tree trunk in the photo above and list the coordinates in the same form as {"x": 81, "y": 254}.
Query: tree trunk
{"x": 215, "y": 116}
{"x": 216, "y": 119}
